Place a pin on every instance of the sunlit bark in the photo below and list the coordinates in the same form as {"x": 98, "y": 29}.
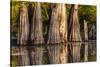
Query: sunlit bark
{"x": 58, "y": 35}
{"x": 62, "y": 16}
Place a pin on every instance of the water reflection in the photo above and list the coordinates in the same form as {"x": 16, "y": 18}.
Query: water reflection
{"x": 51, "y": 52}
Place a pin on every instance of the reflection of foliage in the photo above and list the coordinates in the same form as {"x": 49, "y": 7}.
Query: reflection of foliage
{"x": 85, "y": 12}
{"x": 92, "y": 58}
{"x": 14, "y": 50}
{"x": 14, "y": 59}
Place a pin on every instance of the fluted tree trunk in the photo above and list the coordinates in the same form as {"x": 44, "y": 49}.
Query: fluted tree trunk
{"x": 57, "y": 34}
{"x": 53, "y": 36}
{"x": 62, "y": 16}
{"x": 23, "y": 34}
{"x": 37, "y": 36}
{"x": 75, "y": 34}
{"x": 86, "y": 39}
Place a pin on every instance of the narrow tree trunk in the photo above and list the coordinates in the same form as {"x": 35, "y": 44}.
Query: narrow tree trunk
{"x": 23, "y": 35}
{"x": 75, "y": 34}
{"x": 37, "y": 35}
{"x": 58, "y": 34}
{"x": 86, "y": 39}
{"x": 92, "y": 36}
{"x": 69, "y": 32}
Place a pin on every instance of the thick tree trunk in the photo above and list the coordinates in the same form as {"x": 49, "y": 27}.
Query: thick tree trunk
{"x": 75, "y": 35}
{"x": 37, "y": 35}
{"x": 53, "y": 36}
{"x": 23, "y": 34}
{"x": 62, "y": 16}
{"x": 58, "y": 34}
{"x": 86, "y": 39}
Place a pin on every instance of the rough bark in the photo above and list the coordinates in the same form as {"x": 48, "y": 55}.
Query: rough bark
{"x": 23, "y": 34}
{"x": 75, "y": 35}
{"x": 57, "y": 34}
{"x": 86, "y": 39}
{"x": 53, "y": 36}
{"x": 62, "y": 17}
{"x": 37, "y": 35}
{"x": 23, "y": 26}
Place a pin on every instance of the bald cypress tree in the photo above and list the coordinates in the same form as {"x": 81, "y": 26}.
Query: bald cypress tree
{"x": 86, "y": 39}
{"x": 23, "y": 34}
{"x": 57, "y": 34}
{"x": 62, "y": 17}
{"x": 53, "y": 36}
{"x": 75, "y": 34}
{"x": 37, "y": 35}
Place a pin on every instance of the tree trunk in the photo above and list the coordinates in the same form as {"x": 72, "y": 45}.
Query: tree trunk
{"x": 23, "y": 34}
{"x": 57, "y": 34}
{"x": 53, "y": 36}
{"x": 86, "y": 39}
{"x": 92, "y": 36}
{"x": 63, "y": 33}
{"x": 75, "y": 35}
{"x": 37, "y": 35}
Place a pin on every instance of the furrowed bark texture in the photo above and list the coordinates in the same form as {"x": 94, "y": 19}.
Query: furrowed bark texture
{"x": 75, "y": 35}
{"x": 57, "y": 34}
{"x": 37, "y": 35}
{"x": 62, "y": 17}
{"x": 53, "y": 36}
{"x": 23, "y": 34}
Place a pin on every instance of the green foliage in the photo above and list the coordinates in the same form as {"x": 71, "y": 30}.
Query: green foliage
{"x": 85, "y": 12}
{"x": 15, "y": 5}
{"x": 88, "y": 13}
